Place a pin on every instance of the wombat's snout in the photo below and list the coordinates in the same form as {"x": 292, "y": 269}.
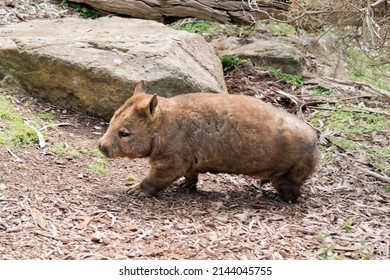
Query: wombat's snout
{"x": 103, "y": 149}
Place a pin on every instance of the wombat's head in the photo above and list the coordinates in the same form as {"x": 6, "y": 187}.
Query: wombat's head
{"x": 131, "y": 130}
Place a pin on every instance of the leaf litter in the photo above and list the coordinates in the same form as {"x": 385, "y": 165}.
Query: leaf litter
{"x": 53, "y": 207}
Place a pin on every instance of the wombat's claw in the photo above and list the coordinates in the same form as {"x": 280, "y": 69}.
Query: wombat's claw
{"x": 189, "y": 184}
{"x": 272, "y": 195}
{"x": 136, "y": 190}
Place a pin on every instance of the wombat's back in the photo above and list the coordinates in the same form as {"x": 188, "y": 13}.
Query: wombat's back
{"x": 240, "y": 134}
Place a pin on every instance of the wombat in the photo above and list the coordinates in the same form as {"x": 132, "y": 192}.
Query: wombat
{"x": 197, "y": 133}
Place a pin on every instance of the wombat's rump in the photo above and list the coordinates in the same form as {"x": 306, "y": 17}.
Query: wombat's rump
{"x": 206, "y": 132}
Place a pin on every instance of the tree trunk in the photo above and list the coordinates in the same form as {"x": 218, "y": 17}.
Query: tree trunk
{"x": 235, "y": 11}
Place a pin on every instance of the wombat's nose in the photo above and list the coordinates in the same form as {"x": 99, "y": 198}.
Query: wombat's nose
{"x": 104, "y": 149}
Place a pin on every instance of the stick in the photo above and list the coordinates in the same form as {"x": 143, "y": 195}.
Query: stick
{"x": 368, "y": 172}
{"x": 63, "y": 239}
{"x": 3, "y": 224}
{"x": 351, "y": 110}
{"x": 289, "y": 96}
{"x": 55, "y": 124}
{"x": 374, "y": 174}
{"x": 17, "y": 159}
{"x": 41, "y": 139}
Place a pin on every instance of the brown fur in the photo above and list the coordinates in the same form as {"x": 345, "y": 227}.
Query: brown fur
{"x": 206, "y": 132}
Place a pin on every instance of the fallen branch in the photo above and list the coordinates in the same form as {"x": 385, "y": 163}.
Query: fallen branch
{"x": 374, "y": 174}
{"x": 368, "y": 172}
{"x": 367, "y": 87}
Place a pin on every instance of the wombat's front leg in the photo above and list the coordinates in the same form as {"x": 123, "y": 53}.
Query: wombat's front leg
{"x": 136, "y": 191}
{"x": 155, "y": 181}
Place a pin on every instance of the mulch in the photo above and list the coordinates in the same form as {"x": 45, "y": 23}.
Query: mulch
{"x": 53, "y": 206}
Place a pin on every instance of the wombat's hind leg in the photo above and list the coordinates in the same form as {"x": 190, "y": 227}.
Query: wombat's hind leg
{"x": 190, "y": 182}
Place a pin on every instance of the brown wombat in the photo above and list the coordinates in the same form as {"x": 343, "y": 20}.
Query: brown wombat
{"x": 206, "y": 132}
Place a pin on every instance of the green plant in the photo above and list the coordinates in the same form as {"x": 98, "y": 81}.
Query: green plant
{"x": 131, "y": 177}
{"x": 229, "y": 62}
{"x": 22, "y": 135}
{"x": 365, "y": 68}
{"x": 97, "y": 168}
{"x": 211, "y": 29}
{"x": 97, "y": 154}
{"x": 64, "y": 148}
{"x": 347, "y": 226}
{"x": 282, "y": 29}
{"x": 327, "y": 251}
{"x": 7, "y": 111}
{"x": 319, "y": 91}
{"x": 379, "y": 157}
{"x": 352, "y": 123}
{"x": 290, "y": 78}
{"x": 364, "y": 251}
{"x": 15, "y": 131}
{"x": 207, "y": 29}
{"x": 46, "y": 116}
{"x": 85, "y": 10}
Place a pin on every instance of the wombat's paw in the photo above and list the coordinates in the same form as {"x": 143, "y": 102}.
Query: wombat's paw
{"x": 189, "y": 185}
{"x": 272, "y": 195}
{"x": 136, "y": 190}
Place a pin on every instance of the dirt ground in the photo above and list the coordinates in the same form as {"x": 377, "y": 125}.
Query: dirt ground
{"x": 58, "y": 205}
{"x": 53, "y": 205}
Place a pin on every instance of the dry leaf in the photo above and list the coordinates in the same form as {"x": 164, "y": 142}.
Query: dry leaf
{"x": 39, "y": 219}
{"x": 85, "y": 222}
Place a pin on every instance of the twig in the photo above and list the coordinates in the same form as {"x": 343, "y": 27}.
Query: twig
{"x": 289, "y": 96}
{"x": 368, "y": 172}
{"x": 55, "y": 124}
{"x": 374, "y": 174}
{"x": 350, "y": 110}
{"x": 17, "y": 159}
{"x": 378, "y": 91}
{"x": 63, "y": 239}
{"x": 3, "y": 224}
{"x": 41, "y": 139}
{"x": 371, "y": 207}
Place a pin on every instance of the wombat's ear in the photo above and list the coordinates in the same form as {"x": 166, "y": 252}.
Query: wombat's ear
{"x": 153, "y": 105}
{"x": 140, "y": 88}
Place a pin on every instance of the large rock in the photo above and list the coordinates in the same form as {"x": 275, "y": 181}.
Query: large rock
{"x": 261, "y": 52}
{"x": 93, "y": 65}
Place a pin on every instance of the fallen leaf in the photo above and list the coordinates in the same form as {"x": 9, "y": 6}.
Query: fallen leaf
{"x": 85, "y": 222}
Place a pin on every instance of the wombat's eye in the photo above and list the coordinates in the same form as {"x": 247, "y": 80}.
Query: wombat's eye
{"x": 122, "y": 134}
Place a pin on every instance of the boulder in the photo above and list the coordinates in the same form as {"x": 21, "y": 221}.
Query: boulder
{"x": 93, "y": 65}
{"x": 274, "y": 53}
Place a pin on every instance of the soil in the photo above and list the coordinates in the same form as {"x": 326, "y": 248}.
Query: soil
{"x": 54, "y": 206}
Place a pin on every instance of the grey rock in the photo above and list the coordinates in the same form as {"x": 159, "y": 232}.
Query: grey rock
{"x": 93, "y": 65}
{"x": 260, "y": 52}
